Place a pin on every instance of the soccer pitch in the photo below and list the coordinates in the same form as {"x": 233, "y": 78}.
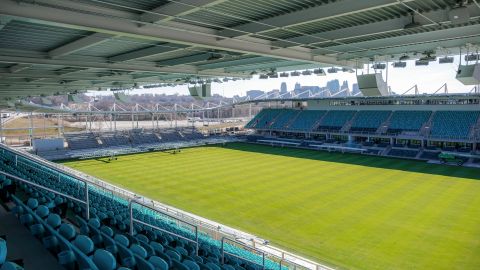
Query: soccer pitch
{"x": 349, "y": 211}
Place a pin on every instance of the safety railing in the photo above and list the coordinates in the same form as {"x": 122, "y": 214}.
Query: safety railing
{"x": 85, "y": 202}
{"x": 224, "y": 252}
{"x": 133, "y": 220}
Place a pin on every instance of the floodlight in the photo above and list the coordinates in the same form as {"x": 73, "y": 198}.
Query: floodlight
{"x": 295, "y": 74}
{"x": 400, "y": 64}
{"x": 306, "y": 72}
{"x": 445, "y": 60}
{"x": 379, "y": 66}
{"x": 422, "y": 63}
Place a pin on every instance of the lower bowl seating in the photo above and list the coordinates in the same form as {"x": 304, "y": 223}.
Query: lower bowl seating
{"x": 103, "y": 241}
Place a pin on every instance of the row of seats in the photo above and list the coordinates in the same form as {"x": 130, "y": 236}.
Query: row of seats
{"x": 407, "y": 121}
{"x": 369, "y": 121}
{"x": 306, "y": 120}
{"x": 81, "y": 140}
{"x": 445, "y": 124}
{"x": 43, "y": 213}
{"x": 283, "y": 118}
{"x": 78, "y": 141}
{"x": 335, "y": 120}
{"x": 453, "y": 124}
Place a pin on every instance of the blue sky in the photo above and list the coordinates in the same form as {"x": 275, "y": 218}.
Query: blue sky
{"x": 428, "y": 78}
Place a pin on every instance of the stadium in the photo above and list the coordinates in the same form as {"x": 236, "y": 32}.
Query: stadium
{"x": 98, "y": 173}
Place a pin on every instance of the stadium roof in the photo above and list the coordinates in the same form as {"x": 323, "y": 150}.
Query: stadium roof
{"x": 58, "y": 46}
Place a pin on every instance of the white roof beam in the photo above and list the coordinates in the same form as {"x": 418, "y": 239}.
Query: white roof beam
{"x": 146, "y": 52}
{"x": 185, "y": 60}
{"x": 388, "y": 26}
{"x": 315, "y": 14}
{"x": 425, "y": 37}
{"x": 238, "y": 62}
{"x": 97, "y": 64}
{"x": 449, "y": 44}
{"x": 178, "y": 8}
{"x": 18, "y": 67}
{"x": 79, "y": 44}
{"x": 118, "y": 26}
{"x": 53, "y": 75}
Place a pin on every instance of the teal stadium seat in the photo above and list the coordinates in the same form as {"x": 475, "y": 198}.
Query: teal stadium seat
{"x": 306, "y": 120}
{"x": 369, "y": 121}
{"x": 283, "y": 118}
{"x": 407, "y": 121}
{"x": 335, "y": 120}
{"x": 453, "y": 124}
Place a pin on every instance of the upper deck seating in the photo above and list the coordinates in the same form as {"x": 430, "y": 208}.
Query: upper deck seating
{"x": 335, "y": 120}
{"x": 283, "y": 118}
{"x": 256, "y": 119}
{"x": 407, "y": 121}
{"x": 306, "y": 120}
{"x": 369, "y": 121}
{"x": 268, "y": 117}
{"x": 453, "y": 124}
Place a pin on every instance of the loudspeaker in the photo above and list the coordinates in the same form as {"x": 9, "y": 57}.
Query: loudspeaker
{"x": 201, "y": 91}
{"x": 469, "y": 74}
{"x": 372, "y": 85}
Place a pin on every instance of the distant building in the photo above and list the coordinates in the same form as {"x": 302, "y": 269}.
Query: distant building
{"x": 283, "y": 88}
{"x": 254, "y": 93}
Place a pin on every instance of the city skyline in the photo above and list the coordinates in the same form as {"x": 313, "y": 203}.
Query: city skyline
{"x": 428, "y": 79}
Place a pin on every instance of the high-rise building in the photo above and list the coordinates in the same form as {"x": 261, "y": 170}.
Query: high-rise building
{"x": 283, "y": 88}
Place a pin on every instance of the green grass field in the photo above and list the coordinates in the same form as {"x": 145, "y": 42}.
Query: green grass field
{"x": 350, "y": 211}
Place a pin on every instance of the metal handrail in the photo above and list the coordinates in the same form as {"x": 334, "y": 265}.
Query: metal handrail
{"x": 28, "y": 182}
{"x": 133, "y": 220}
{"x": 223, "y": 251}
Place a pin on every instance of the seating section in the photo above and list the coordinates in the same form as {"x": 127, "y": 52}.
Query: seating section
{"x": 407, "y": 121}
{"x": 335, "y": 120}
{"x": 170, "y": 136}
{"x": 114, "y": 139}
{"x": 103, "y": 241}
{"x": 256, "y": 119}
{"x": 306, "y": 120}
{"x": 81, "y": 140}
{"x": 143, "y": 138}
{"x": 192, "y": 135}
{"x": 453, "y": 124}
{"x": 268, "y": 118}
{"x": 283, "y": 118}
{"x": 369, "y": 121}
{"x": 445, "y": 124}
